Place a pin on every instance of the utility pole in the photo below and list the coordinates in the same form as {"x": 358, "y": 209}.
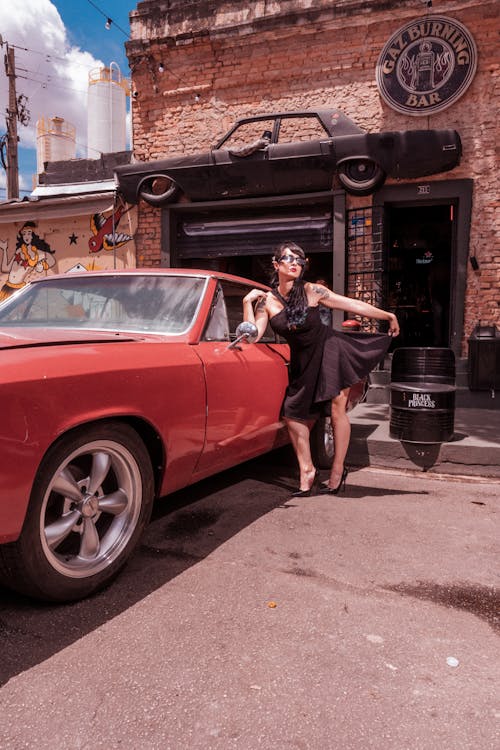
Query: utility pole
{"x": 11, "y": 120}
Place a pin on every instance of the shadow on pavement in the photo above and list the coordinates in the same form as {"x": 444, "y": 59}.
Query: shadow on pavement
{"x": 482, "y": 601}
{"x": 186, "y": 527}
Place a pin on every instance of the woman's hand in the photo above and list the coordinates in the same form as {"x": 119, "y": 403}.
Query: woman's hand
{"x": 259, "y": 315}
{"x": 393, "y": 325}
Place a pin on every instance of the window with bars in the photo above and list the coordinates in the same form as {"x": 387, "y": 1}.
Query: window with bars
{"x": 365, "y": 258}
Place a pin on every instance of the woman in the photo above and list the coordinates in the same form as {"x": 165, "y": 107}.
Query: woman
{"x": 323, "y": 362}
{"x": 32, "y": 254}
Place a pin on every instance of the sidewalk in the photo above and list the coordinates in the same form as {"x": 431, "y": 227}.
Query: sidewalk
{"x": 474, "y": 450}
{"x": 250, "y": 620}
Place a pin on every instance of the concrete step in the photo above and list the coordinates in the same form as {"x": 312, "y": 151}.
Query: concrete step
{"x": 468, "y": 399}
{"x": 474, "y": 449}
{"x": 380, "y": 377}
{"x": 380, "y": 383}
{"x": 378, "y": 394}
{"x": 464, "y": 397}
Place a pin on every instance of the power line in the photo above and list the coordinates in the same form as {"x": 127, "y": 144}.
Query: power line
{"x": 49, "y": 57}
{"x": 109, "y": 20}
{"x": 51, "y": 84}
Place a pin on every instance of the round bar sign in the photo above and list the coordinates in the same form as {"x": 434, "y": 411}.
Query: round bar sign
{"x": 426, "y": 65}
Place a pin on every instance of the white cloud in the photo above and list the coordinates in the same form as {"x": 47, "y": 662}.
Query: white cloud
{"x": 24, "y": 182}
{"x": 51, "y": 73}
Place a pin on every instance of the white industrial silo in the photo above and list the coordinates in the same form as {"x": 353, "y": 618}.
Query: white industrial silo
{"x": 55, "y": 141}
{"x": 106, "y": 111}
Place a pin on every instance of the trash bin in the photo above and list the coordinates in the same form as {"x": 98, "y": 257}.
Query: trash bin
{"x": 423, "y": 395}
{"x": 483, "y": 362}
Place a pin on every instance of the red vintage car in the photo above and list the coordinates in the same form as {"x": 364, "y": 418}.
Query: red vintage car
{"x": 117, "y": 388}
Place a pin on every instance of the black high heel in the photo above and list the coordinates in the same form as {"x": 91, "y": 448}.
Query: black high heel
{"x": 307, "y": 493}
{"x": 327, "y": 490}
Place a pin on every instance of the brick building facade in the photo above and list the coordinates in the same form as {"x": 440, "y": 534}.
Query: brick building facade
{"x": 198, "y": 66}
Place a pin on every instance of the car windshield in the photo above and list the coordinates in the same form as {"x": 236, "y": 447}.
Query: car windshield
{"x": 160, "y": 304}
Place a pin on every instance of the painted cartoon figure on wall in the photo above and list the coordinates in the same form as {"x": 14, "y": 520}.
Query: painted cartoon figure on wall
{"x": 84, "y": 241}
{"x": 105, "y": 236}
{"x": 32, "y": 254}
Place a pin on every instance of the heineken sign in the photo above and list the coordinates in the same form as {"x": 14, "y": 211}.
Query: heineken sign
{"x": 426, "y": 65}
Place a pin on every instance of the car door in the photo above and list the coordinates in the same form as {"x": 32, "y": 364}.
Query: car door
{"x": 245, "y": 386}
{"x": 301, "y": 158}
{"x": 241, "y": 166}
{"x": 306, "y": 166}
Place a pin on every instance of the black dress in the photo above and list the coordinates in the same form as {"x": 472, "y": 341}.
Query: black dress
{"x": 324, "y": 361}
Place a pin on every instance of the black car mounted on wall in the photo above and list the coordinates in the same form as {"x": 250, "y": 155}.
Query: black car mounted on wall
{"x": 292, "y": 152}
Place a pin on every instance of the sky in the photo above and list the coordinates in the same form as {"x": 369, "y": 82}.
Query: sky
{"x": 56, "y": 43}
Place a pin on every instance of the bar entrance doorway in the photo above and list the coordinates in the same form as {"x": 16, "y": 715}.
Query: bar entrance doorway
{"x": 420, "y": 272}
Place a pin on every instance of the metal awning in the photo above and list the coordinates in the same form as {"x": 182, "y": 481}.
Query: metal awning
{"x": 79, "y": 188}
{"x": 54, "y": 207}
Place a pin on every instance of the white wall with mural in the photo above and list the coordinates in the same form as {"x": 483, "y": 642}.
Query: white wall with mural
{"x": 96, "y": 241}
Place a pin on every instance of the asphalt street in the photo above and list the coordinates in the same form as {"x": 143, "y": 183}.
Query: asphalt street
{"x": 251, "y": 620}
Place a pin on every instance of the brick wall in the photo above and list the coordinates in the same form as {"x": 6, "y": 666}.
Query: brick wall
{"x": 224, "y": 60}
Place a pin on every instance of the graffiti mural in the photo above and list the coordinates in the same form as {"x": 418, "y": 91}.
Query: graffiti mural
{"x": 105, "y": 232}
{"x": 31, "y": 255}
{"x": 88, "y": 242}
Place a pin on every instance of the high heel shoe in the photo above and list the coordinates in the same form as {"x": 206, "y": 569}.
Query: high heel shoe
{"x": 327, "y": 490}
{"x": 307, "y": 493}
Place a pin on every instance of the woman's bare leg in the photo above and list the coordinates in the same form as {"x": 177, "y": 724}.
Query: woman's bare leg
{"x": 300, "y": 436}
{"x": 341, "y": 433}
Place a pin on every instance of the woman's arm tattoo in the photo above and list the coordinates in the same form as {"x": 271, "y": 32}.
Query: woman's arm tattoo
{"x": 260, "y": 304}
{"x": 321, "y": 291}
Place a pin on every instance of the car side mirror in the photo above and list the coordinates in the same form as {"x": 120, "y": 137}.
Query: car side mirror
{"x": 246, "y": 331}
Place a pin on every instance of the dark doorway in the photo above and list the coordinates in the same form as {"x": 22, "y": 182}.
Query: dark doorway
{"x": 419, "y": 272}
{"x": 260, "y": 268}
{"x": 240, "y": 237}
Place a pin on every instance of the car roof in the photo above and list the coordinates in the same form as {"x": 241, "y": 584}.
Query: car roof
{"x": 199, "y": 272}
{"x": 333, "y": 120}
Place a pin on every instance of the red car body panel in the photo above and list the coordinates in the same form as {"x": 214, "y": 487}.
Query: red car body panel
{"x": 210, "y": 406}
{"x": 90, "y": 383}
{"x": 243, "y": 412}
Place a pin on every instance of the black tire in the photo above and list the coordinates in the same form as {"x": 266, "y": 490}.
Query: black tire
{"x": 360, "y": 176}
{"x": 322, "y": 440}
{"x": 91, "y": 499}
{"x": 322, "y": 446}
{"x": 158, "y": 190}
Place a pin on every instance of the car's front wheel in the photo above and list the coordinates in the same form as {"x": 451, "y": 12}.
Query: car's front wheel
{"x": 91, "y": 500}
{"x": 322, "y": 438}
{"x": 360, "y": 176}
{"x": 322, "y": 443}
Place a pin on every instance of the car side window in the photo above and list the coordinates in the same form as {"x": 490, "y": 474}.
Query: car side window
{"x": 233, "y": 295}
{"x": 217, "y": 328}
{"x": 248, "y": 132}
{"x": 306, "y": 128}
{"x": 227, "y": 314}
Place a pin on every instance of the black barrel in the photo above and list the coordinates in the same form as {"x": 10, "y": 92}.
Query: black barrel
{"x": 423, "y": 364}
{"x": 423, "y": 394}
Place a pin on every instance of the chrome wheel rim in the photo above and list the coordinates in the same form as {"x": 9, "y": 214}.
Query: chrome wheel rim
{"x": 91, "y": 508}
{"x": 328, "y": 437}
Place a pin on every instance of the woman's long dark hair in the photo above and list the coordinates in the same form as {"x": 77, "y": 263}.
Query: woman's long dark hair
{"x": 296, "y": 301}
{"x": 36, "y": 241}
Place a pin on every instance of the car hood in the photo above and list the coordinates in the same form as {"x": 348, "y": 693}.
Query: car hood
{"x": 15, "y": 338}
